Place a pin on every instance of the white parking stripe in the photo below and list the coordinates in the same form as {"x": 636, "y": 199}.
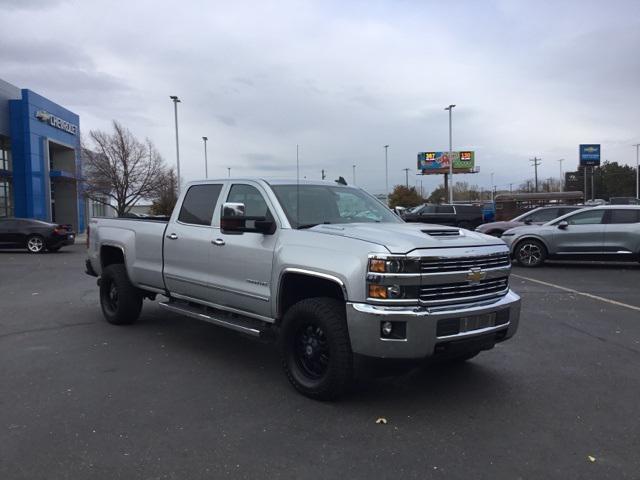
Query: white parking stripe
{"x": 576, "y": 292}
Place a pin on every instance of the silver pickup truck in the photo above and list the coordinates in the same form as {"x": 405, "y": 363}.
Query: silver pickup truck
{"x": 325, "y": 269}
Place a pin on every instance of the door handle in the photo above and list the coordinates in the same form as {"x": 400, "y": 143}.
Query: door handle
{"x": 218, "y": 241}
{"x": 172, "y": 236}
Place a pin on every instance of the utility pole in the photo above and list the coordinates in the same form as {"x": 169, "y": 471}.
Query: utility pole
{"x": 406, "y": 172}
{"x": 176, "y": 100}
{"x": 637, "y": 145}
{"x": 536, "y": 162}
{"x": 450, "y": 186}
{"x": 354, "y": 174}
{"x": 229, "y": 172}
{"x": 206, "y": 166}
{"x": 561, "y": 178}
{"x": 323, "y": 175}
{"x": 386, "y": 172}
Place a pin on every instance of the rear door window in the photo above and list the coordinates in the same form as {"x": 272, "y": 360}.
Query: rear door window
{"x": 624, "y": 216}
{"x": 544, "y": 216}
{"x": 199, "y": 204}
{"x": 445, "y": 209}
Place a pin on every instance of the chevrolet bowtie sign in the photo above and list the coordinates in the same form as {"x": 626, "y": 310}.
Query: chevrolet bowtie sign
{"x": 56, "y": 122}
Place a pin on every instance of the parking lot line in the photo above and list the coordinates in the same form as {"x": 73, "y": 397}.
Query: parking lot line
{"x": 577, "y": 292}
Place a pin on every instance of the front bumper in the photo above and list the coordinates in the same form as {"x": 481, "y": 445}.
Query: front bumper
{"x": 421, "y": 335}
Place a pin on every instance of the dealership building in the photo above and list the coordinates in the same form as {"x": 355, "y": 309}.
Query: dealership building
{"x": 40, "y": 161}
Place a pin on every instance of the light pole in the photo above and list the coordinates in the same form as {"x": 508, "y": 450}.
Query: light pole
{"x": 561, "y": 179}
{"x": 386, "y": 172}
{"x": 406, "y": 173}
{"x": 637, "y": 145}
{"x": 176, "y": 100}
{"x": 450, "y": 108}
{"x": 354, "y": 174}
{"x": 492, "y": 188}
{"x": 206, "y": 166}
{"x": 229, "y": 171}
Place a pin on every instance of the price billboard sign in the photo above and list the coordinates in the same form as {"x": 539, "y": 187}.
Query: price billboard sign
{"x": 430, "y": 163}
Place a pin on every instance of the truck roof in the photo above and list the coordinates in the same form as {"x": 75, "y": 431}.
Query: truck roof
{"x": 273, "y": 181}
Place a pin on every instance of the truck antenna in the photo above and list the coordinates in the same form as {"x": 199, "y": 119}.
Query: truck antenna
{"x": 298, "y": 184}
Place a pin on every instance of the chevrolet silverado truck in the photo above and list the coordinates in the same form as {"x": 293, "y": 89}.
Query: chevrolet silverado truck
{"x": 325, "y": 270}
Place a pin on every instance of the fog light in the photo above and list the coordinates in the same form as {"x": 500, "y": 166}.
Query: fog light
{"x": 387, "y": 328}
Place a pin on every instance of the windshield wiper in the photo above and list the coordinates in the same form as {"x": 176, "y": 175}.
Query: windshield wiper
{"x": 311, "y": 225}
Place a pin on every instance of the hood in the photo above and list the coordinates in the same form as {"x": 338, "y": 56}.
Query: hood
{"x": 487, "y": 227}
{"x": 404, "y": 237}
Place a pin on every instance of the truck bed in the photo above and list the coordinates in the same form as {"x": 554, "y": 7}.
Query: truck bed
{"x": 141, "y": 240}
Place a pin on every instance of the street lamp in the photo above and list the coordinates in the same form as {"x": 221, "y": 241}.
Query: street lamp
{"x": 206, "y": 166}
{"x": 176, "y": 100}
{"x": 561, "y": 179}
{"x": 354, "y": 174}
{"x": 386, "y": 172}
{"x": 229, "y": 171}
{"x": 492, "y": 187}
{"x": 450, "y": 108}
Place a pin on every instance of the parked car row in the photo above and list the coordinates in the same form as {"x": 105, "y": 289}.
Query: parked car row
{"x": 35, "y": 235}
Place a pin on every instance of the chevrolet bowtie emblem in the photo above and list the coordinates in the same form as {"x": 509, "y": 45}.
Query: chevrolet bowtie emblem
{"x": 476, "y": 275}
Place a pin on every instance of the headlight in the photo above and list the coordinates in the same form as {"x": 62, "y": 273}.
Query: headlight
{"x": 394, "y": 265}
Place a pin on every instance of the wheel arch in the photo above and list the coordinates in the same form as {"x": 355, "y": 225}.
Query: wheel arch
{"x": 111, "y": 254}
{"x": 297, "y": 284}
{"x": 529, "y": 237}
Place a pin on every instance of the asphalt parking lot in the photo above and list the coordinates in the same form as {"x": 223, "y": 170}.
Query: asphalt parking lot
{"x": 171, "y": 397}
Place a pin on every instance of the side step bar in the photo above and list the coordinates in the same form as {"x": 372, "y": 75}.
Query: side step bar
{"x": 217, "y": 317}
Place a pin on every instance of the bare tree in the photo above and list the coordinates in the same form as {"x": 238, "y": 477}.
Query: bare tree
{"x": 120, "y": 170}
{"x": 166, "y": 195}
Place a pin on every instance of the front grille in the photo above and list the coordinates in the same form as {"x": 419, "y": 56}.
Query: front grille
{"x": 437, "y": 265}
{"x": 461, "y": 291}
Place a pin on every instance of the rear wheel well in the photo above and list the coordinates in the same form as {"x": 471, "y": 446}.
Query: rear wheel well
{"x": 298, "y": 286}
{"x": 110, "y": 255}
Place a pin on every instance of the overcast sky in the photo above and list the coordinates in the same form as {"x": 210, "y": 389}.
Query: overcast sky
{"x": 341, "y": 79}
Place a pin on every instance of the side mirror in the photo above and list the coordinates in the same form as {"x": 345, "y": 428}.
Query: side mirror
{"x": 528, "y": 222}
{"x": 234, "y": 220}
{"x": 563, "y": 225}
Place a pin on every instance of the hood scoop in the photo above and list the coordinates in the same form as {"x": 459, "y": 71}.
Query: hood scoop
{"x": 449, "y": 232}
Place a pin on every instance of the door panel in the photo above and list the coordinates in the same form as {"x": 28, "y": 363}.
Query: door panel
{"x": 583, "y": 235}
{"x": 622, "y": 231}
{"x": 187, "y": 244}
{"x": 241, "y": 263}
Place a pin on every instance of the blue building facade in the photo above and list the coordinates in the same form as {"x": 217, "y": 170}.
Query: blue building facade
{"x": 42, "y": 159}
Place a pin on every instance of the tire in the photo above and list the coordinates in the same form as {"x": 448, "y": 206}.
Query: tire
{"x": 316, "y": 350}
{"x": 121, "y": 302}
{"x": 35, "y": 244}
{"x": 530, "y": 253}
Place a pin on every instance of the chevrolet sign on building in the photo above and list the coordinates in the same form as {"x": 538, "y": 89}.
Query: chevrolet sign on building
{"x": 56, "y": 122}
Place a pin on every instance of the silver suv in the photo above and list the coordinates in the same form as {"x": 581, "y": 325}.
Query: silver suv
{"x": 604, "y": 232}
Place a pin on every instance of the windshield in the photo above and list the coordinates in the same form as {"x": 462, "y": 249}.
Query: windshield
{"x": 310, "y": 205}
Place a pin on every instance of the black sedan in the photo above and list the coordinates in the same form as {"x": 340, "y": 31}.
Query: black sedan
{"x": 34, "y": 235}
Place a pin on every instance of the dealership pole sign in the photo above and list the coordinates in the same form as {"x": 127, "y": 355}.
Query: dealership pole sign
{"x": 57, "y": 122}
{"x": 590, "y": 155}
{"x": 431, "y": 163}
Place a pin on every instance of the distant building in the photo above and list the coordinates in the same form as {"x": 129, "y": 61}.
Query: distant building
{"x": 40, "y": 162}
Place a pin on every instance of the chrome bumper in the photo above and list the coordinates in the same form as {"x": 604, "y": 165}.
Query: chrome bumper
{"x": 421, "y": 338}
